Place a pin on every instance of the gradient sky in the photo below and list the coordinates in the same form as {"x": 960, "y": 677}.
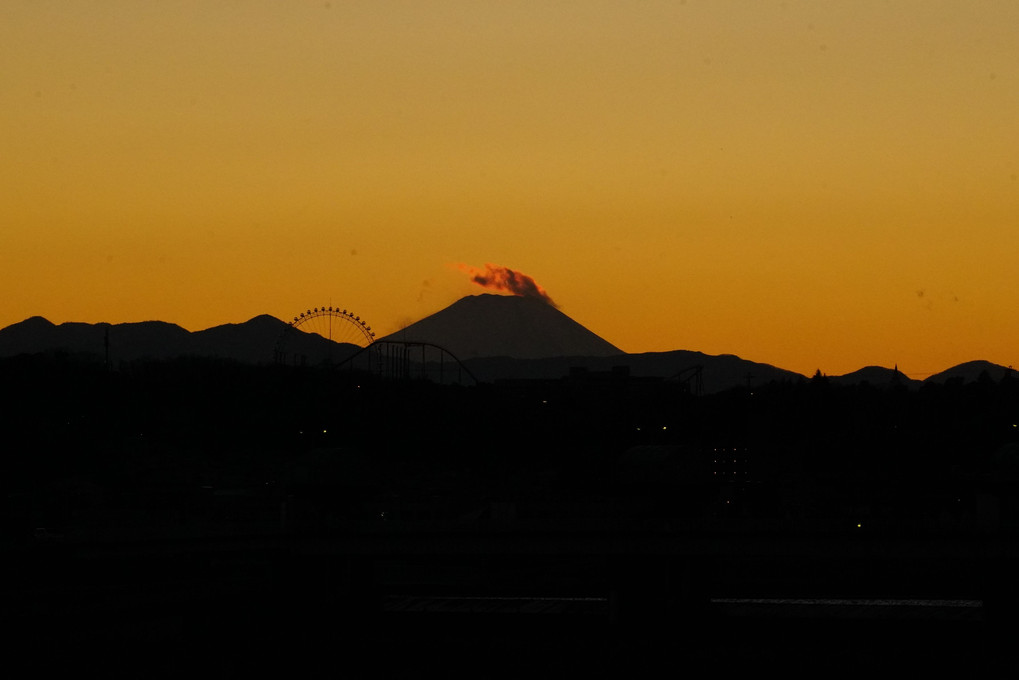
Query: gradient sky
{"x": 811, "y": 184}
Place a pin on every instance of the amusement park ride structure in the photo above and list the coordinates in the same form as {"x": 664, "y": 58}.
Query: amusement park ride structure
{"x": 331, "y": 323}
{"x": 389, "y": 359}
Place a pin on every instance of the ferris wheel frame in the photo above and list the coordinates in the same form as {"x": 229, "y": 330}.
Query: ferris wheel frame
{"x": 365, "y": 332}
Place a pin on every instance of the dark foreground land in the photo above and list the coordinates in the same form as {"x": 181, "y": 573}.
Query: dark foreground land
{"x": 211, "y": 519}
{"x": 512, "y": 604}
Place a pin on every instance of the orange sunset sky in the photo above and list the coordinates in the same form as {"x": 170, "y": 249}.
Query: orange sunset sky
{"x": 811, "y": 184}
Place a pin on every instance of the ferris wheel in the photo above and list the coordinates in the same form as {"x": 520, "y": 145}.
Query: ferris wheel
{"x": 329, "y": 323}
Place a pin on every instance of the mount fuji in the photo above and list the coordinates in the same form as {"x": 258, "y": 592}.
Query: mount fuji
{"x": 506, "y": 326}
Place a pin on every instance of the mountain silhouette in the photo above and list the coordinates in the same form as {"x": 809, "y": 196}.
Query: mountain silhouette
{"x": 716, "y": 372}
{"x": 497, "y": 337}
{"x": 127, "y": 341}
{"x": 506, "y": 326}
{"x": 250, "y": 342}
{"x": 970, "y": 372}
{"x": 877, "y": 376}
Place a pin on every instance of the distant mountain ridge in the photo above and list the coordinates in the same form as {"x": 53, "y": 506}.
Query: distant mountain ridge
{"x": 146, "y": 339}
{"x": 971, "y": 371}
{"x": 966, "y": 372}
{"x": 497, "y": 337}
{"x": 717, "y": 372}
{"x": 878, "y": 376}
{"x": 250, "y": 342}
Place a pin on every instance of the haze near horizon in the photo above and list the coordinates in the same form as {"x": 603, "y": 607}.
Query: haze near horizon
{"x": 809, "y": 185}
